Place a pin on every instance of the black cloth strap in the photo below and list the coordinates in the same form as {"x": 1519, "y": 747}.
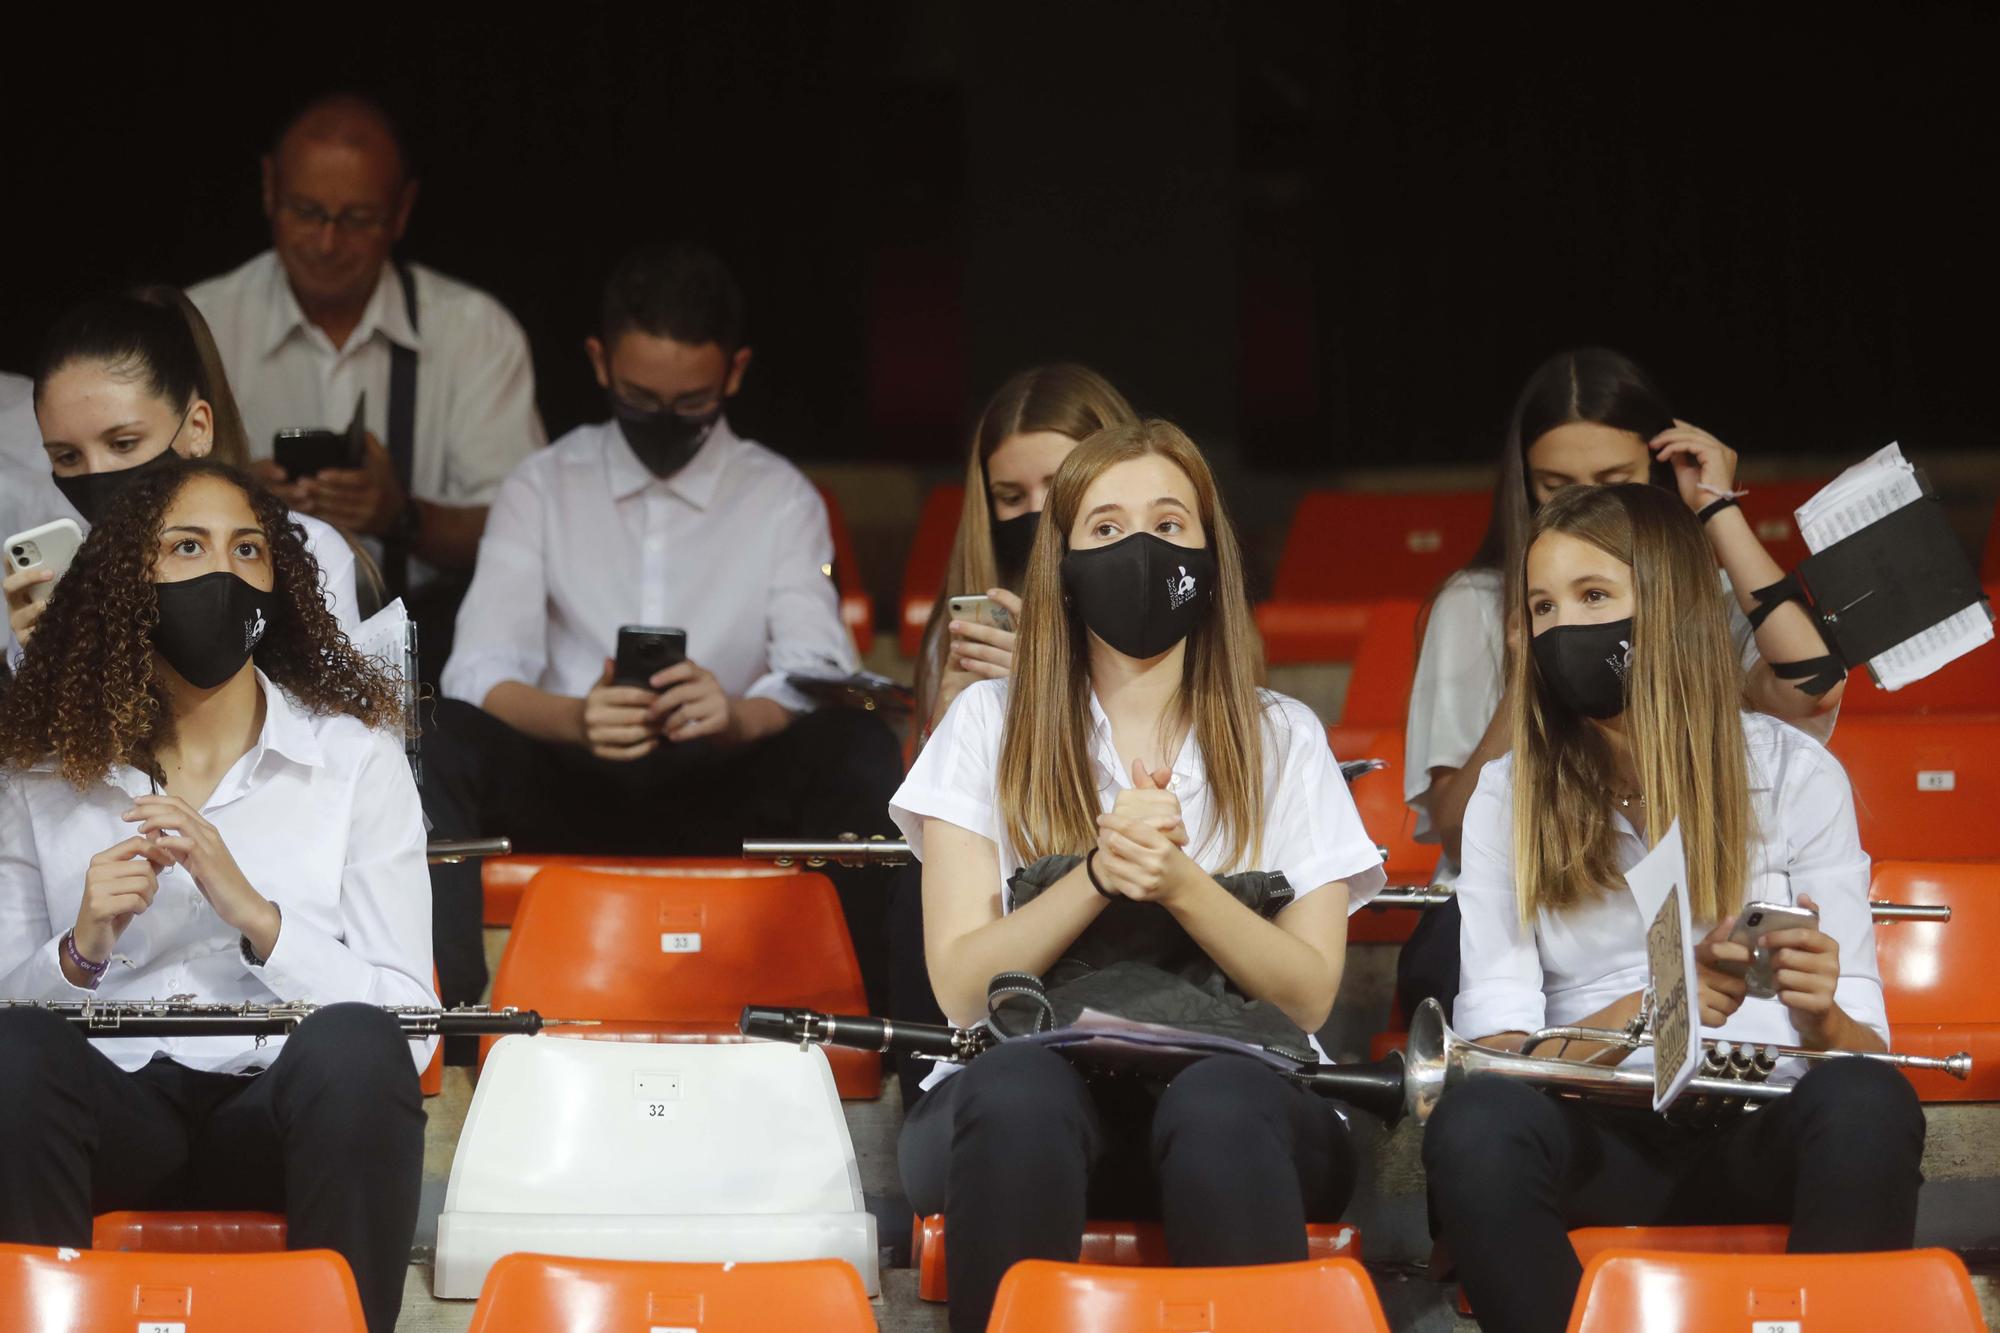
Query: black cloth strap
{"x": 402, "y": 440}
{"x": 1817, "y": 674}
{"x": 1710, "y": 511}
{"x": 1772, "y": 596}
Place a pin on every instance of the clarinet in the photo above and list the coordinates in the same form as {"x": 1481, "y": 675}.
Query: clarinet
{"x": 180, "y": 1018}
{"x": 1376, "y": 1087}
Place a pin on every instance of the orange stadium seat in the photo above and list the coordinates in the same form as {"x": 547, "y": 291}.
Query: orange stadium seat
{"x": 300, "y": 1291}
{"x": 1379, "y": 797}
{"x": 1628, "y": 1291}
{"x": 923, "y": 572}
{"x": 1346, "y": 550}
{"x": 1129, "y": 1244}
{"x": 857, "y": 612}
{"x": 668, "y": 954}
{"x": 1315, "y": 1296}
{"x": 189, "y": 1233}
{"x": 531, "y": 1293}
{"x": 503, "y": 879}
{"x": 1935, "y": 980}
{"x": 1969, "y": 685}
{"x": 1769, "y": 506}
{"x": 1925, "y": 788}
{"x": 1378, "y": 691}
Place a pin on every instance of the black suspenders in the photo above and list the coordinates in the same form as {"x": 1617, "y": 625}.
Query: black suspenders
{"x": 402, "y": 435}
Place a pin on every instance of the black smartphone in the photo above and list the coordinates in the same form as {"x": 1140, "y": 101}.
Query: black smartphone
{"x": 306, "y": 453}
{"x": 644, "y": 651}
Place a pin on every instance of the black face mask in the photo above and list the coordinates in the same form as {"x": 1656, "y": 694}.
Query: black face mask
{"x": 93, "y": 493}
{"x": 1586, "y": 665}
{"x": 1141, "y": 595}
{"x": 209, "y": 625}
{"x": 664, "y": 440}
{"x": 1013, "y": 539}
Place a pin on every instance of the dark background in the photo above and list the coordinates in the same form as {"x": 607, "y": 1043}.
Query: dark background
{"x": 1318, "y": 236}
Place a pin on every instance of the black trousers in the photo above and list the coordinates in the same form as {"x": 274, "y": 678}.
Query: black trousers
{"x": 829, "y": 772}
{"x": 1017, "y": 1149}
{"x": 332, "y": 1135}
{"x": 1511, "y": 1169}
{"x": 911, "y": 999}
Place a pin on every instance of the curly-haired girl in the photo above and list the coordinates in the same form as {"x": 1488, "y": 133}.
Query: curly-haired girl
{"x": 202, "y": 797}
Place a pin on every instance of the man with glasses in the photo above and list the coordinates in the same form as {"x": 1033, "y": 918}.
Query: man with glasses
{"x": 327, "y": 320}
{"x": 661, "y": 516}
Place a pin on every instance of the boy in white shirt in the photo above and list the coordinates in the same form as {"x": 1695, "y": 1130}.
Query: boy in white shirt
{"x": 662, "y": 516}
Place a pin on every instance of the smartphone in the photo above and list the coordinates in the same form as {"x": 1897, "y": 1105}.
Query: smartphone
{"x": 1756, "y": 921}
{"x": 308, "y": 452}
{"x": 981, "y": 611}
{"x": 644, "y": 651}
{"x": 51, "y": 546}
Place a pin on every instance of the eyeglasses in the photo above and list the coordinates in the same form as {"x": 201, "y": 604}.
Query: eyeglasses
{"x": 695, "y": 407}
{"x": 308, "y": 216}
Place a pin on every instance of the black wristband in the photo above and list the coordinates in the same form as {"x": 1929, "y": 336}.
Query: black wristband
{"x": 1090, "y": 869}
{"x": 1726, "y": 502}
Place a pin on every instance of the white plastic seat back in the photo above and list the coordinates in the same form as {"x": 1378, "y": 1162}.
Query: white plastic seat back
{"x": 689, "y": 1152}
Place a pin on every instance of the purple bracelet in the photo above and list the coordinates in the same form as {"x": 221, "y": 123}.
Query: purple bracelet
{"x": 95, "y": 971}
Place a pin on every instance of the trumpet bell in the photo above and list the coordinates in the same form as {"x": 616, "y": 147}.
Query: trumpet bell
{"x": 1427, "y": 1060}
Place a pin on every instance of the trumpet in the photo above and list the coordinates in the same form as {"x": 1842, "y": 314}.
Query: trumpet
{"x": 1731, "y": 1074}
{"x": 851, "y": 849}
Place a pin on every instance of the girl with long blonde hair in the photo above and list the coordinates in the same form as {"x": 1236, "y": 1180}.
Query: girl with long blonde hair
{"x": 1626, "y": 716}
{"x": 1027, "y": 428}
{"x": 1131, "y": 736}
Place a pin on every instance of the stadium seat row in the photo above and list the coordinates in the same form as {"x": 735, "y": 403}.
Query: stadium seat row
{"x": 1625, "y": 1289}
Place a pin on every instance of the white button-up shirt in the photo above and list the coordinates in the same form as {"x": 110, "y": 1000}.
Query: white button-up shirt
{"x": 1312, "y": 832}
{"x": 21, "y": 456}
{"x": 476, "y": 417}
{"x": 1568, "y": 965}
{"x": 321, "y": 816}
{"x": 734, "y": 548}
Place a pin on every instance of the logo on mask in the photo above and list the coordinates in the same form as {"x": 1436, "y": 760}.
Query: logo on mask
{"x": 1180, "y": 591}
{"x": 253, "y": 633}
{"x": 1621, "y": 661}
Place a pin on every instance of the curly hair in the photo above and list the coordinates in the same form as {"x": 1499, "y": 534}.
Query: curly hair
{"x": 91, "y": 690}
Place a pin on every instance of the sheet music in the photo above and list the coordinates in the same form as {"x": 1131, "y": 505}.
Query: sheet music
{"x": 1873, "y": 488}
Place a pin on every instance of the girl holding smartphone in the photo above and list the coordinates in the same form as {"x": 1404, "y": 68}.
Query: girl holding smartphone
{"x": 1625, "y": 714}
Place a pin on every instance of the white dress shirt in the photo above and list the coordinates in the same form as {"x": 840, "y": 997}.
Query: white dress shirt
{"x": 734, "y": 548}
{"x": 1567, "y": 965}
{"x": 476, "y": 417}
{"x": 321, "y": 816}
{"x": 21, "y": 455}
{"x": 1312, "y": 833}
{"x": 1457, "y": 686}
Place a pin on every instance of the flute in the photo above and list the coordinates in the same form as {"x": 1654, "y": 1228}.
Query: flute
{"x": 181, "y": 1018}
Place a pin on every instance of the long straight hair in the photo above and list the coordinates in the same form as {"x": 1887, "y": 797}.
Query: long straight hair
{"x": 1682, "y": 719}
{"x": 1593, "y": 384}
{"x": 1066, "y": 399}
{"x": 1048, "y": 786}
{"x": 155, "y": 335}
